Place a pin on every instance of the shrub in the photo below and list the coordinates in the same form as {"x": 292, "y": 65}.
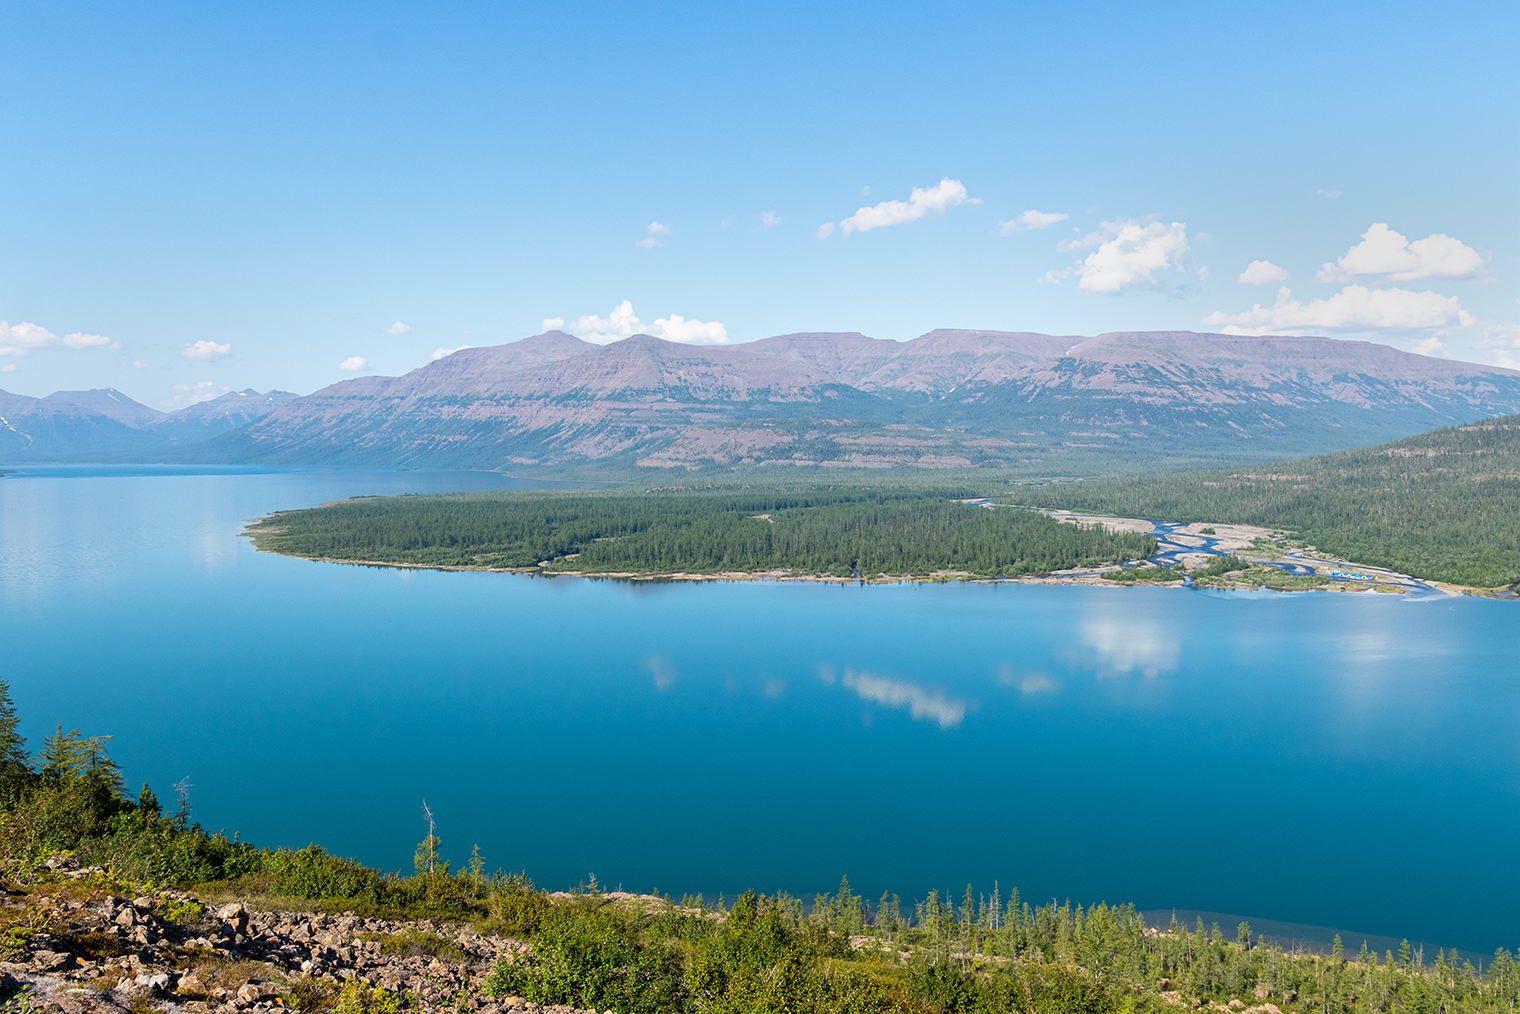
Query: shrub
{"x": 358, "y": 998}
{"x": 590, "y": 955}
{"x": 517, "y": 908}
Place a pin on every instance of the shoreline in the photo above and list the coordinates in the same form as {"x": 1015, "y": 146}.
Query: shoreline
{"x": 1186, "y": 545}
{"x": 1091, "y": 579}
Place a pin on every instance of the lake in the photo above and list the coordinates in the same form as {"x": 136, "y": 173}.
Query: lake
{"x": 1347, "y": 760}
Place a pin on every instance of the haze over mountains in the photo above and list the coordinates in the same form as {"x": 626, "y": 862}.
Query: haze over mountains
{"x": 949, "y": 399}
{"x": 104, "y": 423}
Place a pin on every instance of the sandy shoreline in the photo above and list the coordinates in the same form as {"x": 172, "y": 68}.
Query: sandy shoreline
{"x": 1086, "y": 578}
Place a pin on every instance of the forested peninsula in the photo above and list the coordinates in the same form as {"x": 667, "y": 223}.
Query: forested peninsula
{"x": 833, "y": 533}
{"x": 1442, "y": 506}
{"x": 117, "y": 904}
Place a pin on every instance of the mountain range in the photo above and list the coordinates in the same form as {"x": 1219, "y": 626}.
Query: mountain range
{"x": 1037, "y": 403}
{"x": 106, "y": 424}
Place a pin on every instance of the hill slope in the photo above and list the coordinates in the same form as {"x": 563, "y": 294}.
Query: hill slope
{"x": 1443, "y": 505}
{"x": 949, "y": 399}
{"x": 104, "y": 424}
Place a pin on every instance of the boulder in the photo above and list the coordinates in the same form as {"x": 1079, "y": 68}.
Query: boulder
{"x": 51, "y": 961}
{"x": 236, "y": 916}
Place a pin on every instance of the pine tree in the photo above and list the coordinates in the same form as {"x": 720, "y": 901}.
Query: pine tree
{"x": 12, "y": 745}
{"x": 968, "y": 923}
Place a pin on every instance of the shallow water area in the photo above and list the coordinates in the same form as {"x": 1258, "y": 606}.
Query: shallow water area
{"x": 1341, "y": 760}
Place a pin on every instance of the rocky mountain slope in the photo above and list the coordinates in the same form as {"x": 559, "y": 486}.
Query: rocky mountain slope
{"x": 949, "y": 399}
{"x": 167, "y": 951}
{"x": 104, "y": 423}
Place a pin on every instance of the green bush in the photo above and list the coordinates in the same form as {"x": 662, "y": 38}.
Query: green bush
{"x": 313, "y": 873}
{"x": 590, "y": 955}
{"x": 517, "y": 909}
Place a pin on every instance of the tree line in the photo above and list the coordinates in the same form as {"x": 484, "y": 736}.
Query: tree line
{"x": 836, "y": 533}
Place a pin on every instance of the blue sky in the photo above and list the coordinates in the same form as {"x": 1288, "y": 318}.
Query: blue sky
{"x": 209, "y": 197}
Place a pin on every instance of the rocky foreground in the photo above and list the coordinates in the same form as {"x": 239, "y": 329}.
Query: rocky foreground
{"x": 72, "y": 948}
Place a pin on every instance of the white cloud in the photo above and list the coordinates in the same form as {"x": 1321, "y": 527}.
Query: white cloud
{"x": 923, "y": 705}
{"x": 1262, "y": 273}
{"x": 768, "y": 219}
{"x": 922, "y": 202}
{"x": 1384, "y": 252}
{"x": 24, "y": 338}
{"x": 398, "y": 328}
{"x": 1131, "y": 255}
{"x": 1053, "y": 277}
{"x": 8, "y": 368}
{"x": 656, "y": 236}
{"x": 1355, "y": 308}
{"x": 138, "y": 364}
{"x": 440, "y": 353}
{"x": 191, "y": 394}
{"x": 554, "y": 323}
{"x": 1432, "y": 346}
{"x": 1328, "y": 194}
{"x": 354, "y": 364}
{"x": 205, "y": 350}
{"x": 865, "y": 191}
{"x": 1031, "y": 219}
{"x": 622, "y": 323}
{"x": 1504, "y": 339}
{"x": 824, "y": 231}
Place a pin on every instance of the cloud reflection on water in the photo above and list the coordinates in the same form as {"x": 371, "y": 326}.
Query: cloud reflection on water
{"x": 924, "y": 705}
{"x": 660, "y": 669}
{"x": 1123, "y": 646}
{"x": 1029, "y": 684}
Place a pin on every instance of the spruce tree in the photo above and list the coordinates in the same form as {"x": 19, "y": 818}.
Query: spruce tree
{"x": 12, "y": 745}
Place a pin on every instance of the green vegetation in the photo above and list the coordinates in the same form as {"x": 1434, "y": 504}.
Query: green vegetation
{"x": 1145, "y": 575}
{"x": 1220, "y": 566}
{"x": 1440, "y": 505}
{"x": 646, "y": 954}
{"x": 833, "y": 532}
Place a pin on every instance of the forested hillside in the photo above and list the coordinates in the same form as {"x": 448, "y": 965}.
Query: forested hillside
{"x": 1443, "y": 505}
{"x": 831, "y": 533}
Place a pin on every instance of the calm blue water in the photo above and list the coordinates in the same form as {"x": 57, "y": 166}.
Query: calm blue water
{"x": 1341, "y": 760}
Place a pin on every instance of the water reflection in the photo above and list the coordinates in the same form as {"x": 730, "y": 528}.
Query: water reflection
{"x": 1028, "y": 683}
{"x": 924, "y": 705}
{"x": 1121, "y": 647}
{"x": 660, "y": 669}
{"x": 688, "y": 709}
